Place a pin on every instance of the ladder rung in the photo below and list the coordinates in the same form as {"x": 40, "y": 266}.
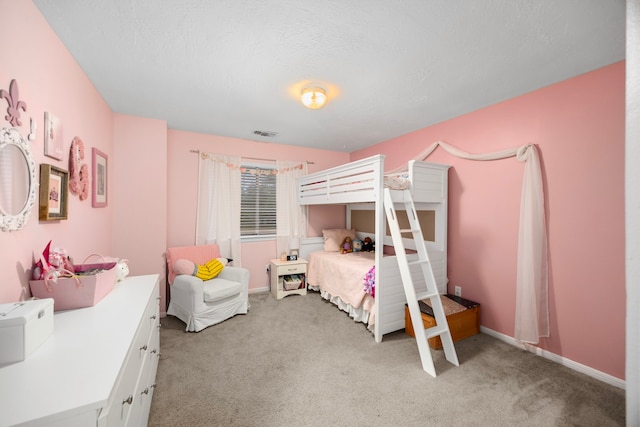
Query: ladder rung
{"x": 435, "y": 331}
{"x": 408, "y": 230}
{"x": 418, "y": 261}
{"x": 427, "y": 295}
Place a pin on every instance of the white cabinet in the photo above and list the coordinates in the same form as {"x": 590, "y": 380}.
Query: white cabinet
{"x": 131, "y": 399}
{"x": 98, "y": 368}
{"x": 288, "y": 277}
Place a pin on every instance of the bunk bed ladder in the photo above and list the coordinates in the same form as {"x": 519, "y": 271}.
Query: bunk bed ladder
{"x": 413, "y": 295}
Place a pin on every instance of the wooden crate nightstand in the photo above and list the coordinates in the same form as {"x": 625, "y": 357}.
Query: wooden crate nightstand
{"x": 462, "y": 324}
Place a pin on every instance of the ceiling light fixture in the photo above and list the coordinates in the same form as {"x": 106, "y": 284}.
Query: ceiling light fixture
{"x": 314, "y": 97}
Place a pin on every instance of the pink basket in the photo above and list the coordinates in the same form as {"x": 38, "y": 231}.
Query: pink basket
{"x": 75, "y": 292}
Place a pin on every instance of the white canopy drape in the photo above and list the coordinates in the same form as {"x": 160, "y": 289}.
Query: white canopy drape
{"x": 532, "y": 310}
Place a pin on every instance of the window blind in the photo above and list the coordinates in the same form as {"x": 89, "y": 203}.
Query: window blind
{"x": 258, "y": 201}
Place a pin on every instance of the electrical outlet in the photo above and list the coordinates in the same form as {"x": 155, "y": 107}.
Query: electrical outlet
{"x": 458, "y": 291}
{"x": 266, "y": 268}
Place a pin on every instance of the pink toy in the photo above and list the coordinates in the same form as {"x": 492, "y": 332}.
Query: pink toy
{"x": 53, "y": 263}
{"x": 184, "y": 266}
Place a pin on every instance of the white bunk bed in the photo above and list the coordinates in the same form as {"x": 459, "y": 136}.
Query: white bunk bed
{"x": 360, "y": 185}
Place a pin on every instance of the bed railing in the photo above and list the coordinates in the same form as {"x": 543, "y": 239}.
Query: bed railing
{"x": 358, "y": 181}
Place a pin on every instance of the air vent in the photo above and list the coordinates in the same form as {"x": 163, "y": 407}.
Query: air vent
{"x": 265, "y": 133}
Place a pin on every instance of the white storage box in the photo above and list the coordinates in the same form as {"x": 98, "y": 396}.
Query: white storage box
{"x": 24, "y": 326}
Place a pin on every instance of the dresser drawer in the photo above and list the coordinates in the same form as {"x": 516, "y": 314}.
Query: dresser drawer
{"x": 292, "y": 269}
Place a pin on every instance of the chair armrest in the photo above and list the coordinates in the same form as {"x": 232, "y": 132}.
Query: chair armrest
{"x": 235, "y": 274}
{"x": 187, "y": 291}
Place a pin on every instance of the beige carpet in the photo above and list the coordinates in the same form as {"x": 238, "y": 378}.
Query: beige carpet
{"x": 302, "y": 362}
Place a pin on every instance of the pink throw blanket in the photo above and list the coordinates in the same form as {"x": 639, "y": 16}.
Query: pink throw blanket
{"x": 342, "y": 275}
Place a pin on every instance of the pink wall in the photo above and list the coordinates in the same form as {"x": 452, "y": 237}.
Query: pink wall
{"x": 151, "y": 178}
{"x": 50, "y": 80}
{"x": 578, "y": 126}
{"x": 139, "y": 195}
{"x": 182, "y": 190}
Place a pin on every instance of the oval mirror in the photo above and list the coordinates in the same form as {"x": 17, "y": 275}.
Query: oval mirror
{"x": 17, "y": 180}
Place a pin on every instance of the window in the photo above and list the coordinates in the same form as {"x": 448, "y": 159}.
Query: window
{"x": 258, "y": 201}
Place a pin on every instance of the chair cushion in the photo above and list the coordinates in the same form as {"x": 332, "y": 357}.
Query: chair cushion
{"x": 218, "y": 289}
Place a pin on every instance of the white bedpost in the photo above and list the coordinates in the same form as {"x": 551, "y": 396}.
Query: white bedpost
{"x": 379, "y": 241}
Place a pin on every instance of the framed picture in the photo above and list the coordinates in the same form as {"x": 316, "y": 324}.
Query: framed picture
{"x": 53, "y": 144}
{"x": 54, "y": 195}
{"x": 99, "y": 183}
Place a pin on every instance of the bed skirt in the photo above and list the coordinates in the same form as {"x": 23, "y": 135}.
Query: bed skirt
{"x": 357, "y": 314}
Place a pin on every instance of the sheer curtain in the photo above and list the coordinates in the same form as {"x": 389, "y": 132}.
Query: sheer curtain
{"x": 291, "y": 218}
{"x": 532, "y": 310}
{"x": 218, "y": 214}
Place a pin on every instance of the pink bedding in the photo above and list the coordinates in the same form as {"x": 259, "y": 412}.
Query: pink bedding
{"x": 342, "y": 275}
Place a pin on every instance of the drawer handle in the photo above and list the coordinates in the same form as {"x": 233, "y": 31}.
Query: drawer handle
{"x": 128, "y": 400}
{"x": 145, "y": 391}
{"x": 153, "y": 317}
{"x": 144, "y": 347}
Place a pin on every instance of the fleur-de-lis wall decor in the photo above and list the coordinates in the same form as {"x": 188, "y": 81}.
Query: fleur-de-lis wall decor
{"x": 15, "y": 105}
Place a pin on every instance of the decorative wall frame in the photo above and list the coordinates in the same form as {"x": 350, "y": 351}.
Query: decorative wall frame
{"x": 78, "y": 172}
{"x": 99, "y": 182}
{"x": 53, "y": 143}
{"x": 18, "y": 180}
{"x": 54, "y": 196}
{"x": 15, "y": 104}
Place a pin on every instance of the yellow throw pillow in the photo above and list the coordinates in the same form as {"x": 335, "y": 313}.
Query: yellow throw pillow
{"x": 209, "y": 270}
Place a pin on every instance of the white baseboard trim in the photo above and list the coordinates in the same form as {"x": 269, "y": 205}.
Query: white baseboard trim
{"x": 259, "y": 290}
{"x": 601, "y": 376}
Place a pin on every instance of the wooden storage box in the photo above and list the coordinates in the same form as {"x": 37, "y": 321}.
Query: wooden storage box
{"x": 462, "y": 324}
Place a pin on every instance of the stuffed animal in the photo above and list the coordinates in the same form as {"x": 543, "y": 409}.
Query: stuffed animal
{"x": 206, "y": 271}
{"x": 357, "y": 245}
{"x": 368, "y": 245}
{"x": 346, "y": 246}
{"x": 53, "y": 263}
{"x": 122, "y": 270}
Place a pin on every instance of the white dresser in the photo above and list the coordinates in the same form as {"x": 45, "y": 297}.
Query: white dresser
{"x": 97, "y": 369}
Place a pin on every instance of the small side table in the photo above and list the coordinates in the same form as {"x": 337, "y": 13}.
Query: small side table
{"x": 288, "y": 278}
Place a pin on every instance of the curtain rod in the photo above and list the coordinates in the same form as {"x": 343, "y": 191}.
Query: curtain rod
{"x": 255, "y": 158}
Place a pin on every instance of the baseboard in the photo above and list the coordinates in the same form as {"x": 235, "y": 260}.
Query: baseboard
{"x": 259, "y": 290}
{"x": 601, "y": 376}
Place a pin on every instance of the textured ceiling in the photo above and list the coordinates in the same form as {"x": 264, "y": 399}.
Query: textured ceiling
{"x": 229, "y": 67}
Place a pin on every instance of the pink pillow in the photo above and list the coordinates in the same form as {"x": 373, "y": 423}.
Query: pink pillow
{"x": 184, "y": 266}
{"x": 333, "y": 238}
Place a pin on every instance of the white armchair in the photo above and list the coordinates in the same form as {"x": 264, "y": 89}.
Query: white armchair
{"x": 199, "y": 303}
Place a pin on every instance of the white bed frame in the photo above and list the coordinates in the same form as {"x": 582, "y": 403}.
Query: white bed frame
{"x": 360, "y": 185}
